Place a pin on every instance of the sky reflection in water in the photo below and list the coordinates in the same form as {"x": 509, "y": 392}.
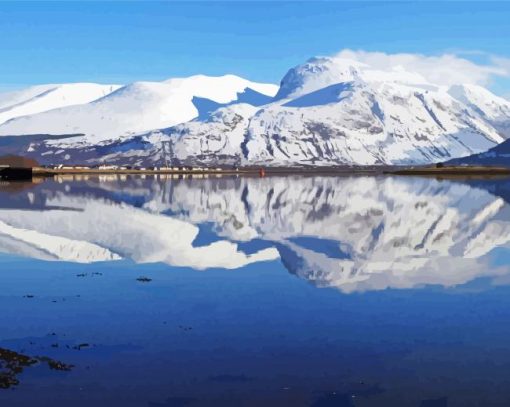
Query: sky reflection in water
{"x": 416, "y": 312}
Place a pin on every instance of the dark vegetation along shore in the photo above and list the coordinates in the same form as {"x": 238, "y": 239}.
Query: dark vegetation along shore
{"x": 19, "y": 168}
{"x": 12, "y": 174}
{"x": 263, "y": 171}
{"x": 452, "y": 170}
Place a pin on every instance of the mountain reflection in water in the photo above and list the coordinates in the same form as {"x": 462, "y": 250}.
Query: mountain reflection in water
{"x": 355, "y": 234}
{"x": 130, "y": 291}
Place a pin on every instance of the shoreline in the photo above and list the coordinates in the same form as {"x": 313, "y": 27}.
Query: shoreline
{"x": 450, "y": 171}
{"x": 251, "y": 171}
{"x": 453, "y": 171}
{"x": 386, "y": 170}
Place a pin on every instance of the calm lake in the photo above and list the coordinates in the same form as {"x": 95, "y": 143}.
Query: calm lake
{"x": 277, "y": 291}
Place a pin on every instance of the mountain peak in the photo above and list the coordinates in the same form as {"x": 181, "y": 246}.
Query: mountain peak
{"x": 317, "y": 73}
{"x": 320, "y": 72}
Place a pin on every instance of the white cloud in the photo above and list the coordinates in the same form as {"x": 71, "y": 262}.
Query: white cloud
{"x": 445, "y": 69}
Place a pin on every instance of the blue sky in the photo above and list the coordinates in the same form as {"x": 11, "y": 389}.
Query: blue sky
{"x": 121, "y": 42}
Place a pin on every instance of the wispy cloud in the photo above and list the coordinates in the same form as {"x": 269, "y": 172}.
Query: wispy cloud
{"x": 444, "y": 69}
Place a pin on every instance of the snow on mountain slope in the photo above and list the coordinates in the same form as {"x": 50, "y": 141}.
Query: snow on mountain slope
{"x": 138, "y": 107}
{"x": 42, "y": 98}
{"x": 334, "y": 112}
{"x": 8, "y": 99}
{"x": 222, "y": 146}
{"x": 221, "y": 89}
{"x": 372, "y": 118}
{"x": 369, "y": 124}
{"x": 494, "y": 109}
{"x": 321, "y": 72}
{"x": 327, "y": 111}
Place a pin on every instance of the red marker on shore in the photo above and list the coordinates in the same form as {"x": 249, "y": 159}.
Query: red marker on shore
{"x": 262, "y": 172}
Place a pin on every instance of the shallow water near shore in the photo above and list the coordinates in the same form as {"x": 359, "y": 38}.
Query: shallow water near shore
{"x": 232, "y": 291}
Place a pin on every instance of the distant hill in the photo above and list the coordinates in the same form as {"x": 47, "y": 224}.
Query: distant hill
{"x": 498, "y": 156}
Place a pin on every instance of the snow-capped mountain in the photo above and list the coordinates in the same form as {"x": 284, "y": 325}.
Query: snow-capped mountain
{"x": 362, "y": 233}
{"x": 492, "y": 108}
{"x": 336, "y": 112}
{"x": 139, "y": 107}
{"x": 37, "y": 99}
{"x": 327, "y": 111}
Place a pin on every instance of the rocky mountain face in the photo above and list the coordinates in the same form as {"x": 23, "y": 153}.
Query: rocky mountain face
{"x": 328, "y": 111}
{"x": 364, "y": 233}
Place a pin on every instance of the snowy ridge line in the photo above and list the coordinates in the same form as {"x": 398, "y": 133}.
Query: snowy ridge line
{"x": 326, "y": 112}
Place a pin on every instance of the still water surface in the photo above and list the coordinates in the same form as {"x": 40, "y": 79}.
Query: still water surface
{"x": 283, "y": 291}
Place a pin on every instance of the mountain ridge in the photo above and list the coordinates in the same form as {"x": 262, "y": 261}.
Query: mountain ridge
{"x": 326, "y": 112}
